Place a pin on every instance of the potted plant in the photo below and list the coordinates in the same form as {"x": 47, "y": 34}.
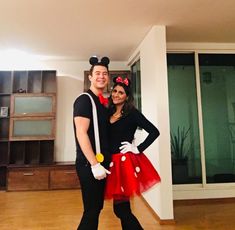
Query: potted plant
{"x": 180, "y": 149}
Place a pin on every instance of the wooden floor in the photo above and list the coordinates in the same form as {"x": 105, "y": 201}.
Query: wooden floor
{"x": 61, "y": 210}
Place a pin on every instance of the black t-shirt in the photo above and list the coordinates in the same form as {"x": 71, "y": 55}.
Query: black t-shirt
{"x": 83, "y": 108}
{"x": 124, "y": 130}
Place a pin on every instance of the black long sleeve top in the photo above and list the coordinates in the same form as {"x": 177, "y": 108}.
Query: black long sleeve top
{"x": 125, "y": 128}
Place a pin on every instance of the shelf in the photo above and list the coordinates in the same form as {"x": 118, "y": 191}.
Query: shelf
{"x": 4, "y": 149}
{"x": 4, "y": 128}
{"x": 4, "y": 106}
{"x": 46, "y": 152}
{"x": 35, "y": 82}
{"x": 49, "y": 82}
{"x": 17, "y": 152}
{"x": 3, "y": 174}
{"x": 5, "y": 94}
{"x": 5, "y": 82}
{"x": 32, "y": 152}
{"x": 5, "y": 117}
{"x": 4, "y": 139}
{"x": 20, "y": 79}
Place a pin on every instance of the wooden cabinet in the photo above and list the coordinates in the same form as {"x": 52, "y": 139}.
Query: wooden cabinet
{"x": 27, "y": 125}
{"x": 64, "y": 176}
{"x": 56, "y": 176}
{"x": 33, "y": 178}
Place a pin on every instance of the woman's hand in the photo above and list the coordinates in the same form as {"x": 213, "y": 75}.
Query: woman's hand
{"x": 128, "y": 147}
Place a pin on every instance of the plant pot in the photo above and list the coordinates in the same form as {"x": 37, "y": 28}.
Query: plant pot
{"x": 180, "y": 172}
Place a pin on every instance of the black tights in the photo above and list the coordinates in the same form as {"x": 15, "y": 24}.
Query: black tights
{"x": 122, "y": 210}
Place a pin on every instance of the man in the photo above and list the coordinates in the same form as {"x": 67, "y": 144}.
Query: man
{"x": 91, "y": 173}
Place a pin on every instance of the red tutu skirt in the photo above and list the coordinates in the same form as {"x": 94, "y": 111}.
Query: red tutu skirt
{"x": 131, "y": 174}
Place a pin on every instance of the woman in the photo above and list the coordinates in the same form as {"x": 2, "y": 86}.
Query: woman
{"x": 131, "y": 171}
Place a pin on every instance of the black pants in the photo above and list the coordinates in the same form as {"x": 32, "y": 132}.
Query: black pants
{"x": 122, "y": 210}
{"x": 92, "y": 197}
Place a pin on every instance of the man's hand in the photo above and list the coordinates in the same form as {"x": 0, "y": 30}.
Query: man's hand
{"x": 99, "y": 172}
{"x": 128, "y": 147}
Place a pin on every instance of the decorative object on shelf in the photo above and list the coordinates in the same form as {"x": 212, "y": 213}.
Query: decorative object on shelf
{"x": 4, "y": 111}
{"x": 21, "y": 91}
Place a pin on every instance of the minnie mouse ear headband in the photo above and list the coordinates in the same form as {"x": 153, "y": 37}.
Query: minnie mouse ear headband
{"x": 95, "y": 61}
{"x": 125, "y": 81}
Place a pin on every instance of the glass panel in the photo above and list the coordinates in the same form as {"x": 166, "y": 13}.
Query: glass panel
{"x": 24, "y": 105}
{"x": 136, "y": 84}
{"x": 32, "y": 128}
{"x": 217, "y": 77}
{"x": 185, "y": 146}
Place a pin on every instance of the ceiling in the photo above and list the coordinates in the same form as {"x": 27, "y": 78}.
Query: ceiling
{"x": 78, "y": 29}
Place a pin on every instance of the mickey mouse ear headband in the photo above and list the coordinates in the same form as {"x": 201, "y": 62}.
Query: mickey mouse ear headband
{"x": 95, "y": 61}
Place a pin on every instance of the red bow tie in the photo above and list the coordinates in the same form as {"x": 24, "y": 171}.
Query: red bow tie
{"x": 104, "y": 101}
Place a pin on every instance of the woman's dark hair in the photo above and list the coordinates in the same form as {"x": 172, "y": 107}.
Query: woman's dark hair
{"x": 95, "y": 62}
{"x": 129, "y": 103}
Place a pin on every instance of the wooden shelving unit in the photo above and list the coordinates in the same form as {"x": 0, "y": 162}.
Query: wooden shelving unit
{"x": 21, "y": 144}
{"x": 27, "y": 133}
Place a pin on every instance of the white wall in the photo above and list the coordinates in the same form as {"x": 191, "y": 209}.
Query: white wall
{"x": 154, "y": 96}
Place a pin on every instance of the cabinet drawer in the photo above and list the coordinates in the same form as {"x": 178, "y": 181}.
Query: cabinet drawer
{"x": 27, "y": 179}
{"x": 63, "y": 178}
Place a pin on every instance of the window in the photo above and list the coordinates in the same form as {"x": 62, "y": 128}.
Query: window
{"x": 216, "y": 84}
{"x": 185, "y": 148}
{"x": 217, "y": 81}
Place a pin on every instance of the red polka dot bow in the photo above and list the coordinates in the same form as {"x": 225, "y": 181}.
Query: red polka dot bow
{"x": 124, "y": 81}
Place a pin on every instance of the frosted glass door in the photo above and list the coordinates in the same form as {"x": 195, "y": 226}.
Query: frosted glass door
{"x": 32, "y": 129}
{"x": 33, "y": 105}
